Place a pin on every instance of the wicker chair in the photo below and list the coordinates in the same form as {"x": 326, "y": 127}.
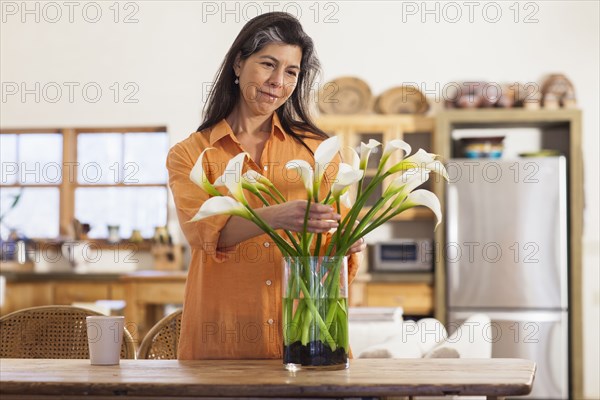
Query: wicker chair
{"x": 51, "y": 332}
{"x": 161, "y": 342}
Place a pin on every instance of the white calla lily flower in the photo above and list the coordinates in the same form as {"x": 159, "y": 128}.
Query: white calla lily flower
{"x": 345, "y": 199}
{"x": 392, "y": 146}
{"x": 438, "y": 167}
{"x": 305, "y": 172}
{"x": 346, "y": 177}
{"x": 418, "y": 160}
{"x": 232, "y": 177}
{"x": 323, "y": 156}
{"x": 407, "y": 182}
{"x": 255, "y": 178}
{"x": 355, "y": 162}
{"x": 251, "y": 176}
{"x": 425, "y": 198}
{"x": 365, "y": 151}
{"x": 220, "y": 206}
{"x": 415, "y": 179}
{"x": 198, "y": 176}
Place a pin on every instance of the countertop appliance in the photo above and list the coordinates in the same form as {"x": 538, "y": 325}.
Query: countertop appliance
{"x": 507, "y": 256}
{"x": 402, "y": 255}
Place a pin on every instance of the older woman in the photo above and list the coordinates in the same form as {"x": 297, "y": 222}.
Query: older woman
{"x": 259, "y": 104}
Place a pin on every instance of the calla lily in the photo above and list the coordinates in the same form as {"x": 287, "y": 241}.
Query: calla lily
{"x": 251, "y": 176}
{"x": 254, "y": 177}
{"x": 345, "y": 178}
{"x": 421, "y": 159}
{"x": 365, "y": 151}
{"x": 391, "y": 147}
{"x": 400, "y": 195}
{"x": 323, "y": 156}
{"x": 198, "y": 176}
{"x": 425, "y": 198}
{"x": 219, "y": 206}
{"x": 305, "y": 171}
{"x": 418, "y": 160}
{"x": 345, "y": 199}
{"x": 355, "y": 162}
{"x": 415, "y": 180}
{"x": 438, "y": 167}
{"x": 232, "y": 177}
{"x": 407, "y": 182}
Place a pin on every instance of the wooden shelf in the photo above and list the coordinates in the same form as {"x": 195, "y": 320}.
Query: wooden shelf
{"x": 407, "y": 123}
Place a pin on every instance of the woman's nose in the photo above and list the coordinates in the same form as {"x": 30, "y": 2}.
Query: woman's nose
{"x": 276, "y": 78}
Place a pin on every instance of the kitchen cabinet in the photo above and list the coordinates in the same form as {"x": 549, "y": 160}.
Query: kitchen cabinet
{"x": 414, "y": 298}
{"x": 25, "y": 290}
{"x": 395, "y": 289}
{"x": 145, "y": 293}
{"x": 80, "y": 292}
{"x": 557, "y": 130}
{"x": 20, "y": 295}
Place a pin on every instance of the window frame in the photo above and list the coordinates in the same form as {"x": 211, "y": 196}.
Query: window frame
{"x": 69, "y": 182}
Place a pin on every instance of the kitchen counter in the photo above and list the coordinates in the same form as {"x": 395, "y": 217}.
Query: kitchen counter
{"x": 30, "y": 276}
{"x": 145, "y": 292}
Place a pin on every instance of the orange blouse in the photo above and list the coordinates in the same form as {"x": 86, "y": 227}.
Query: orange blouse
{"x": 232, "y": 305}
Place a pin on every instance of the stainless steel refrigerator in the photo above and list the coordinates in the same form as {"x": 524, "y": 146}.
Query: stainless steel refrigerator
{"x": 507, "y": 256}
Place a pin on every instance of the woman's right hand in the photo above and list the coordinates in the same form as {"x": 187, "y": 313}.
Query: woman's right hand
{"x": 290, "y": 216}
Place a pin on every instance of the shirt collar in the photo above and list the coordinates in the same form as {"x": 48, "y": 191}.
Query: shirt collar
{"x": 222, "y": 129}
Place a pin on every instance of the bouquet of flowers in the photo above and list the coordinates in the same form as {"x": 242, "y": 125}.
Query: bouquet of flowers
{"x": 315, "y": 321}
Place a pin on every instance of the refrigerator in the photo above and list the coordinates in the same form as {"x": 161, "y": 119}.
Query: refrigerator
{"x": 507, "y": 257}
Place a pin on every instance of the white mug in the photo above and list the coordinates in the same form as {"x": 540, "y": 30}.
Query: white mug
{"x": 105, "y": 337}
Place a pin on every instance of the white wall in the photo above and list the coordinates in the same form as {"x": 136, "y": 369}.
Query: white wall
{"x": 173, "y": 50}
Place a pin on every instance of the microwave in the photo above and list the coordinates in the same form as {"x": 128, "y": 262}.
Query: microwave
{"x": 403, "y": 255}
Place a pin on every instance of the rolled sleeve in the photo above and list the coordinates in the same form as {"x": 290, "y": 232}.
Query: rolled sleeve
{"x": 188, "y": 197}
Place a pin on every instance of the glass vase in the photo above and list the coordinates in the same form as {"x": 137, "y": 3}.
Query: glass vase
{"x": 315, "y": 313}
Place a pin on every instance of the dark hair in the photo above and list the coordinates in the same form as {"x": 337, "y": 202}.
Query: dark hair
{"x": 274, "y": 27}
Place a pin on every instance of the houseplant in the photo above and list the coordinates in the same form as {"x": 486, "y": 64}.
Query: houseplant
{"x": 315, "y": 321}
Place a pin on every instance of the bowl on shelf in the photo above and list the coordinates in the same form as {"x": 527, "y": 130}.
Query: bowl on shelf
{"x": 483, "y": 147}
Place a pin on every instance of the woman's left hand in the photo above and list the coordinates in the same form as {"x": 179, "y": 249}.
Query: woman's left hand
{"x": 357, "y": 247}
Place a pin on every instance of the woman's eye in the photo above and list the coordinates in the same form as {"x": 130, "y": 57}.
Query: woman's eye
{"x": 292, "y": 73}
{"x": 268, "y": 64}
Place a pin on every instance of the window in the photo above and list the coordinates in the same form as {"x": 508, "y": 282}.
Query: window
{"x": 98, "y": 176}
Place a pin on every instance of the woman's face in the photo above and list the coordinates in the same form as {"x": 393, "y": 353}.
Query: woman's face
{"x": 268, "y": 77}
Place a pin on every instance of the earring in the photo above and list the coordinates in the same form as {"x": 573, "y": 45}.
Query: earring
{"x": 237, "y": 81}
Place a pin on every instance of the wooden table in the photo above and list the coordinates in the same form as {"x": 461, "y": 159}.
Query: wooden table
{"x": 146, "y": 294}
{"x": 494, "y": 378}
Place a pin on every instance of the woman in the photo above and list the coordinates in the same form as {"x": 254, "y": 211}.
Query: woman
{"x": 259, "y": 104}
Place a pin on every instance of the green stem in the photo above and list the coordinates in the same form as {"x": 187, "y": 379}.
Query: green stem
{"x": 315, "y": 312}
{"x": 282, "y": 244}
{"x": 342, "y": 324}
{"x": 281, "y": 196}
{"x": 275, "y": 199}
{"x": 308, "y": 317}
{"x": 304, "y": 237}
{"x": 297, "y": 321}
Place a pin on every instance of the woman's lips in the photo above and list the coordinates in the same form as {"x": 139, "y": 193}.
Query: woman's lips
{"x": 271, "y": 97}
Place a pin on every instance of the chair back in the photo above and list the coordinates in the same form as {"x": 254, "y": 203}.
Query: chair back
{"x": 51, "y": 332}
{"x": 161, "y": 342}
